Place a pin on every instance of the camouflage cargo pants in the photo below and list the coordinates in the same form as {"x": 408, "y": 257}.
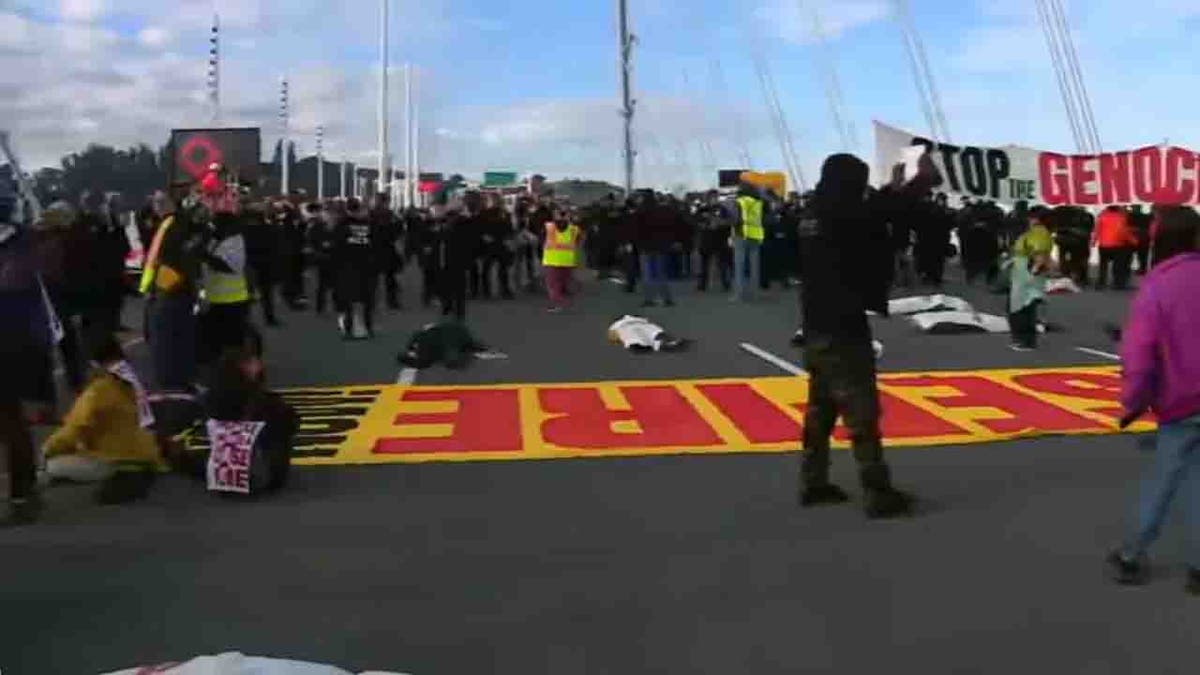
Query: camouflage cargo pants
{"x": 841, "y": 383}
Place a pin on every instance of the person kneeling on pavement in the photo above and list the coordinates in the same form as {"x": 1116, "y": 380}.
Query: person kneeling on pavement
{"x": 105, "y": 438}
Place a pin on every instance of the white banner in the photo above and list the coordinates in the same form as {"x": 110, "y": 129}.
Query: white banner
{"x": 231, "y": 454}
{"x": 1010, "y": 173}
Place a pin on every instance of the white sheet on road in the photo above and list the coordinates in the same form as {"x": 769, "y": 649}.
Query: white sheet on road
{"x": 928, "y": 303}
{"x": 236, "y": 663}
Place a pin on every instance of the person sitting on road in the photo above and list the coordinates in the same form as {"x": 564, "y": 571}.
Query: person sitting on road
{"x": 239, "y": 394}
{"x": 105, "y": 438}
{"x": 1161, "y": 373}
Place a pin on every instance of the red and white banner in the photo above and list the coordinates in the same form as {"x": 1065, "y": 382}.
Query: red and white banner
{"x": 1156, "y": 174}
{"x": 231, "y": 455}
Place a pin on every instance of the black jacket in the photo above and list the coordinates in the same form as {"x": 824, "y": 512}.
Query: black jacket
{"x": 847, "y": 250}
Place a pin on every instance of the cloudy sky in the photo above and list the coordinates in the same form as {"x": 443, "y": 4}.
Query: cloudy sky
{"x": 532, "y": 86}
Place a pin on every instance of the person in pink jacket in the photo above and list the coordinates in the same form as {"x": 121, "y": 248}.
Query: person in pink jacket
{"x": 1160, "y": 353}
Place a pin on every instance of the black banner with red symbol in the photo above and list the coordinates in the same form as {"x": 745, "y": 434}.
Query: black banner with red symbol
{"x": 193, "y": 151}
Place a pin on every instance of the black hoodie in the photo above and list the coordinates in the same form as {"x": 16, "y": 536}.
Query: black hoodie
{"x": 847, "y": 252}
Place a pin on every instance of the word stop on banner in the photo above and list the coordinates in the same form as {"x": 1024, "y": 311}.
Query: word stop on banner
{"x": 229, "y": 460}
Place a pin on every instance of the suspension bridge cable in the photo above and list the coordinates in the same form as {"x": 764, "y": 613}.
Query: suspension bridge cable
{"x": 935, "y": 99}
{"x": 1059, "y": 72}
{"x": 918, "y": 80}
{"x": 1088, "y": 118}
{"x": 833, "y": 88}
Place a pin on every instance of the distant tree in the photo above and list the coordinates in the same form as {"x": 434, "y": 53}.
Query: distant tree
{"x": 134, "y": 173}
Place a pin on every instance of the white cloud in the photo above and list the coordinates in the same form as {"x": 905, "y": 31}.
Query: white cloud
{"x": 154, "y": 36}
{"x": 793, "y": 20}
{"x": 81, "y": 10}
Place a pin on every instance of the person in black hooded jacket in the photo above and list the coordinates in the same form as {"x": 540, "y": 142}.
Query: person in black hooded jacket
{"x": 847, "y": 271}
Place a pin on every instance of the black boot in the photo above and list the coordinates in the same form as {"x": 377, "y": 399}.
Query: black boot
{"x": 816, "y": 495}
{"x": 1126, "y": 571}
{"x": 814, "y": 477}
{"x": 883, "y": 500}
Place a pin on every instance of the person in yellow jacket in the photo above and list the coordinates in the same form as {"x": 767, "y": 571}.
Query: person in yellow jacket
{"x": 748, "y": 234}
{"x": 105, "y": 437}
{"x": 560, "y": 257}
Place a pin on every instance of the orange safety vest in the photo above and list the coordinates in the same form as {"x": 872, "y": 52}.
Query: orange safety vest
{"x": 561, "y": 249}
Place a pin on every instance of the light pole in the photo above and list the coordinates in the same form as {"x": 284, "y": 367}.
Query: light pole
{"x": 384, "y": 160}
{"x": 285, "y": 168}
{"x": 627, "y": 101}
{"x": 320, "y": 163}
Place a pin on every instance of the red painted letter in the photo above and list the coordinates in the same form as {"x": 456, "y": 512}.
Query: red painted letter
{"x": 1090, "y": 386}
{"x": 487, "y": 420}
{"x": 1083, "y": 173}
{"x": 1056, "y": 184}
{"x": 1179, "y": 190}
{"x": 1024, "y": 413}
{"x": 1147, "y": 174}
{"x": 579, "y": 419}
{"x": 1114, "y": 178}
{"x": 760, "y": 420}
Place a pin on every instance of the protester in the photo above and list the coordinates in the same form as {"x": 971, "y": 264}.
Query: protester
{"x": 715, "y": 229}
{"x": 1028, "y": 269}
{"x": 1072, "y": 228}
{"x": 61, "y": 248}
{"x": 423, "y": 234}
{"x": 933, "y": 240}
{"x": 1160, "y": 356}
{"x": 112, "y": 247}
{"x": 496, "y": 233}
{"x": 225, "y": 291}
{"x": 170, "y": 281}
{"x": 240, "y": 393}
{"x": 355, "y": 258}
{"x": 654, "y": 235}
{"x": 105, "y": 438}
{"x": 454, "y": 252}
{"x": 1117, "y": 243}
{"x": 748, "y": 235}
{"x": 291, "y": 229}
{"x": 25, "y": 361}
{"x": 560, "y": 257}
{"x": 262, "y": 260}
{"x": 322, "y": 242}
{"x": 847, "y": 271}
{"x": 390, "y": 245}
{"x": 1139, "y": 222}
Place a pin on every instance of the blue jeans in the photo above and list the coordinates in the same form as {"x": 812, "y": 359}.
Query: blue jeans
{"x": 744, "y": 249}
{"x": 654, "y": 276}
{"x": 1176, "y": 467}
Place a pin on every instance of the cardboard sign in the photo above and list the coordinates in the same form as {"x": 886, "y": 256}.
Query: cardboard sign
{"x": 231, "y": 455}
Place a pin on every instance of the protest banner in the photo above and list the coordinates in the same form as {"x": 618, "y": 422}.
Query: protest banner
{"x": 231, "y": 455}
{"x": 1010, "y": 173}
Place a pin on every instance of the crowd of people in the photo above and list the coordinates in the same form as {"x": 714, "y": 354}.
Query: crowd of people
{"x": 211, "y": 252}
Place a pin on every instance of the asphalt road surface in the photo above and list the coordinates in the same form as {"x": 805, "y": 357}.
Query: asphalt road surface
{"x": 636, "y": 565}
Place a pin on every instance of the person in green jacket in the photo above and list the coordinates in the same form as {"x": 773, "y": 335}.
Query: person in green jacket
{"x": 1028, "y": 269}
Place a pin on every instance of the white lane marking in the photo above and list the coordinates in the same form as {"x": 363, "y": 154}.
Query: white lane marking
{"x": 1097, "y": 352}
{"x": 773, "y": 359}
{"x": 407, "y": 377}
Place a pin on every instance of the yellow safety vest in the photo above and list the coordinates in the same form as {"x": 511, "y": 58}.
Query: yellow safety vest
{"x": 221, "y": 288}
{"x": 228, "y": 288}
{"x": 560, "y": 249}
{"x": 752, "y": 218}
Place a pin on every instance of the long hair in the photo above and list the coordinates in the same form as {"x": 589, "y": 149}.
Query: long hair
{"x": 1178, "y": 232}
